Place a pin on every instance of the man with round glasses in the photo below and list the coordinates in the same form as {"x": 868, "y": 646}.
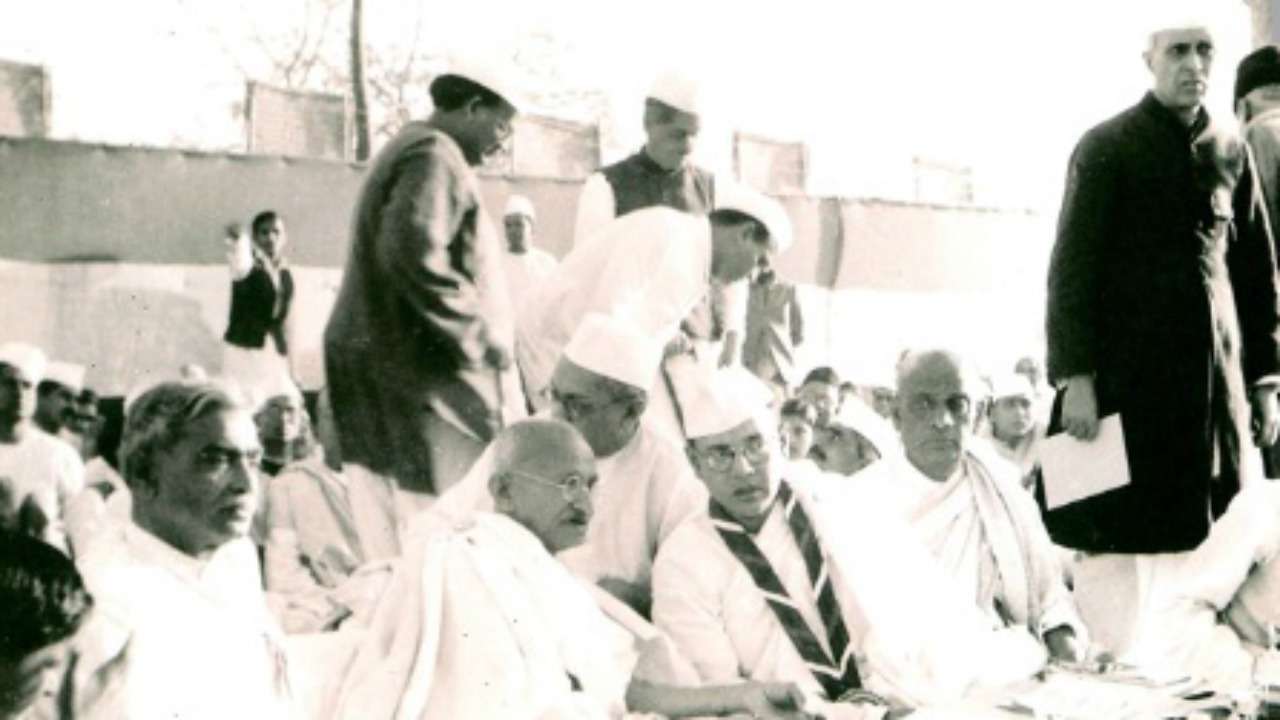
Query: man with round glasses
{"x": 601, "y": 386}
{"x": 783, "y": 579}
{"x": 968, "y": 507}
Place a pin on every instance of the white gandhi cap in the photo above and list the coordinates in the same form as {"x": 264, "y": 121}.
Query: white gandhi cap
{"x": 678, "y": 90}
{"x": 520, "y": 205}
{"x": 765, "y": 210}
{"x": 723, "y": 399}
{"x": 28, "y": 360}
{"x": 615, "y": 348}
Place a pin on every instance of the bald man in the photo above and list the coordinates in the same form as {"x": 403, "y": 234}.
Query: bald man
{"x": 483, "y": 622}
{"x": 967, "y": 505}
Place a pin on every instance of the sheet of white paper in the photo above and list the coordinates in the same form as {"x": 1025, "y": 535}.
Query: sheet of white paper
{"x": 1075, "y": 470}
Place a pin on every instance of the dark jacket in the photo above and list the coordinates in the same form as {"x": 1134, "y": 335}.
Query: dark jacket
{"x": 259, "y": 310}
{"x": 1162, "y": 285}
{"x": 408, "y": 330}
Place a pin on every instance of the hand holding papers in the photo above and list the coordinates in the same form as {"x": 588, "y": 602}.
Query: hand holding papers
{"x": 1074, "y": 470}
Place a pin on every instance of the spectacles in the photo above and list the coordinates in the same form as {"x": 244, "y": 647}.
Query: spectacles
{"x": 572, "y": 486}
{"x": 923, "y": 407}
{"x": 722, "y": 457}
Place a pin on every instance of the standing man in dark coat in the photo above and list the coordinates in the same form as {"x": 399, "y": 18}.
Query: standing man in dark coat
{"x": 418, "y": 345}
{"x": 1162, "y": 308}
{"x": 257, "y": 352}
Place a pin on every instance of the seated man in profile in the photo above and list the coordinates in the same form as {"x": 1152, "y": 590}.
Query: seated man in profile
{"x": 646, "y": 489}
{"x": 780, "y": 580}
{"x": 968, "y": 507}
{"x": 481, "y": 620}
{"x": 181, "y": 618}
{"x": 853, "y": 439}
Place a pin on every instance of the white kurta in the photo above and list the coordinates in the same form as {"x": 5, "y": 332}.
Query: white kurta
{"x": 988, "y": 538}
{"x": 596, "y": 207}
{"x": 644, "y": 492}
{"x": 910, "y": 641}
{"x": 527, "y": 272}
{"x": 649, "y": 267}
{"x": 45, "y": 471}
{"x": 189, "y": 639}
{"x": 481, "y": 622}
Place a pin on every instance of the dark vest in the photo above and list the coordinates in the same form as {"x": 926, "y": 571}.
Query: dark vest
{"x": 638, "y": 182}
{"x": 253, "y": 310}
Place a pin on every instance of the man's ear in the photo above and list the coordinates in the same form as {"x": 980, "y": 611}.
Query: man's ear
{"x": 500, "y": 490}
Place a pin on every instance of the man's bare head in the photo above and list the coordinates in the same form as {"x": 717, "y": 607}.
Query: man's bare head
{"x": 937, "y": 391}
{"x": 542, "y": 473}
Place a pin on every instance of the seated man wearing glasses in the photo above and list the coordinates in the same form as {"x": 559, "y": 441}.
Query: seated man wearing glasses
{"x": 967, "y": 506}
{"x": 482, "y": 621}
{"x": 600, "y": 387}
{"x": 182, "y": 627}
{"x": 781, "y": 579}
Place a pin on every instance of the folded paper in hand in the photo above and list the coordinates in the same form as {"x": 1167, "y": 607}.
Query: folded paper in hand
{"x": 1074, "y": 469}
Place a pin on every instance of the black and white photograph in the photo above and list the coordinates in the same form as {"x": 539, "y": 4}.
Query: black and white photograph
{"x": 572, "y": 360}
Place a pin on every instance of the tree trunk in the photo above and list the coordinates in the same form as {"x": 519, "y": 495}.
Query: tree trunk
{"x": 359, "y": 94}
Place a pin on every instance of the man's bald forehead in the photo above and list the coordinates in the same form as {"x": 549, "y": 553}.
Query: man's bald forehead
{"x": 934, "y": 361}
{"x": 535, "y": 440}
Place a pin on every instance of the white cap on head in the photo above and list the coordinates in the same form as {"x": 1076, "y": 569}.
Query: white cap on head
{"x": 1177, "y": 15}
{"x": 488, "y": 69}
{"x": 674, "y": 88}
{"x": 520, "y": 205}
{"x": 766, "y": 211}
{"x": 27, "y": 359}
{"x": 68, "y": 375}
{"x": 723, "y": 399}
{"x": 855, "y": 415}
{"x": 611, "y": 346}
{"x": 1011, "y": 385}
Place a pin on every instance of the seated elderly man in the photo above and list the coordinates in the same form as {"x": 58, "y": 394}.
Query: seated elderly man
{"x": 968, "y": 507}
{"x": 328, "y": 526}
{"x": 182, "y": 629}
{"x": 481, "y": 621}
{"x": 780, "y": 580}
{"x": 646, "y": 487}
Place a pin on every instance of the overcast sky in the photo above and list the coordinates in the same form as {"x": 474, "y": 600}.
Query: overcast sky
{"x": 1004, "y": 86}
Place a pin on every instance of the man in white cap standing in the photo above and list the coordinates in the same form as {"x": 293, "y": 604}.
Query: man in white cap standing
{"x": 39, "y": 474}
{"x": 776, "y": 580}
{"x": 56, "y": 395}
{"x": 652, "y": 266}
{"x": 527, "y": 267}
{"x": 1162, "y": 308}
{"x": 418, "y": 346}
{"x": 646, "y": 489}
{"x": 1013, "y": 428}
{"x": 660, "y": 173}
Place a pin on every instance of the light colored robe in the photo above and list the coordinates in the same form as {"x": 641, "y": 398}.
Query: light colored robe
{"x": 482, "y": 622}
{"x": 45, "y": 472}
{"x": 910, "y": 641}
{"x": 527, "y": 272}
{"x": 327, "y": 532}
{"x": 184, "y": 638}
{"x": 650, "y": 267}
{"x": 644, "y": 492}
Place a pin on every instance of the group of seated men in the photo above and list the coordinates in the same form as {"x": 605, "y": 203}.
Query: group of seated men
{"x": 587, "y": 566}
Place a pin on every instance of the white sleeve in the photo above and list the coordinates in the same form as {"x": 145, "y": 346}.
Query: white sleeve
{"x": 595, "y": 208}
{"x": 239, "y": 257}
{"x": 735, "y": 306}
{"x": 685, "y": 599}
